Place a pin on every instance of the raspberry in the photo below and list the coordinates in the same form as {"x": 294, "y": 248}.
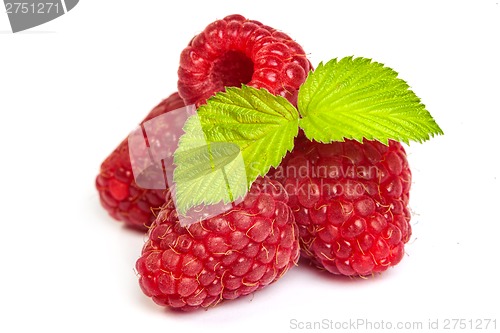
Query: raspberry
{"x": 119, "y": 194}
{"x": 350, "y": 203}
{"x": 235, "y": 51}
{"x": 221, "y": 258}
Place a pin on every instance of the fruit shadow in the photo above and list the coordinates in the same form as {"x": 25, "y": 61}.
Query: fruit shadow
{"x": 306, "y": 266}
{"x": 235, "y": 307}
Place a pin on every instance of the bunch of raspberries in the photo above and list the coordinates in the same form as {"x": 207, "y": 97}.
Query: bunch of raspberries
{"x": 342, "y": 206}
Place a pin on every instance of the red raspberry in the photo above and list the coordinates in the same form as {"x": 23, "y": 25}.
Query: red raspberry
{"x": 119, "y": 194}
{"x": 221, "y": 258}
{"x": 350, "y": 203}
{"x": 235, "y": 50}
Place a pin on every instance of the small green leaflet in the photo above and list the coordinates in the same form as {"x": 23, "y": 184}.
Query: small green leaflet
{"x": 241, "y": 133}
{"x": 234, "y": 138}
{"x": 358, "y": 98}
{"x": 206, "y": 172}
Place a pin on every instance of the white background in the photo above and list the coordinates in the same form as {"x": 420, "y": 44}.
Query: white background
{"x": 72, "y": 89}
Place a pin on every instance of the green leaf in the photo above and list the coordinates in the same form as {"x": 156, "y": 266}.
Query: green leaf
{"x": 234, "y": 138}
{"x": 204, "y": 167}
{"x": 356, "y": 99}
